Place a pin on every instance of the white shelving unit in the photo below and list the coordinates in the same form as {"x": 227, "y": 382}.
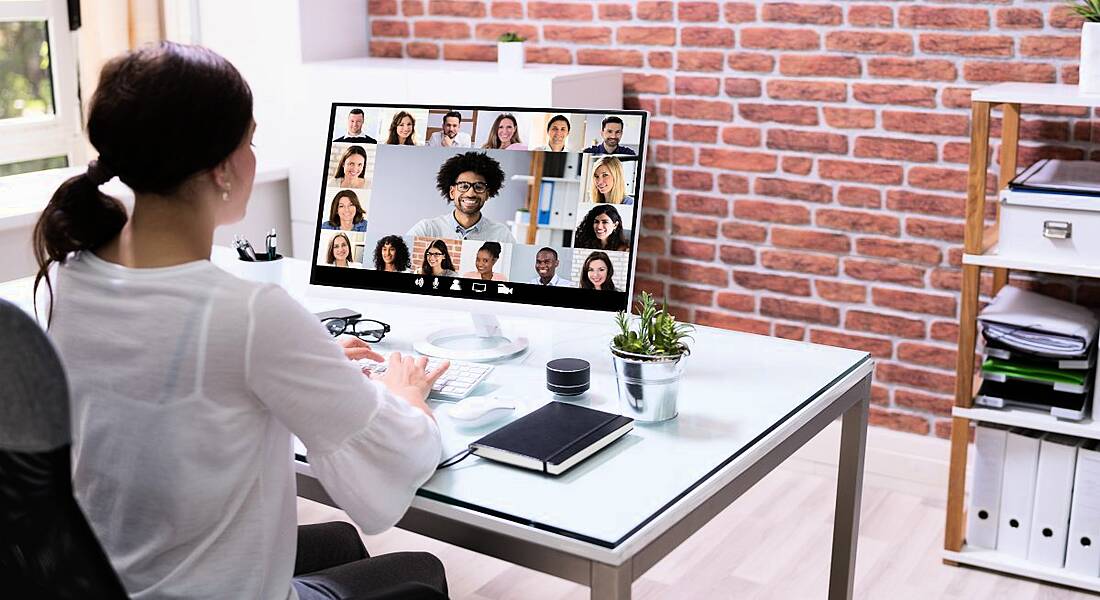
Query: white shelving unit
{"x": 1030, "y": 420}
{"x": 991, "y": 559}
{"x": 995, "y": 259}
{"x": 998, "y": 257}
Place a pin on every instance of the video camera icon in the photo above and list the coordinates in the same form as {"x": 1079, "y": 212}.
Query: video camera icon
{"x": 503, "y": 289}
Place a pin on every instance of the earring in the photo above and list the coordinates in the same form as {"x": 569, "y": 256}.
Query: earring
{"x": 225, "y": 193}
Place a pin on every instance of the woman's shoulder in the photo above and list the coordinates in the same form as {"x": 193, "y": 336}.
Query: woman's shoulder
{"x": 360, "y": 226}
{"x": 327, "y": 225}
{"x": 628, "y": 200}
{"x": 518, "y": 147}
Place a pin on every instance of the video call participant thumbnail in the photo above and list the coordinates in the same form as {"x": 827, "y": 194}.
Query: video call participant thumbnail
{"x": 402, "y": 129}
{"x": 609, "y": 182}
{"x": 451, "y": 135}
{"x": 611, "y": 130}
{"x": 557, "y": 130}
{"x": 391, "y": 253}
{"x": 340, "y": 252}
{"x": 597, "y": 272}
{"x": 504, "y": 134}
{"x": 350, "y": 168}
{"x": 487, "y": 256}
{"x": 354, "y": 132}
{"x": 468, "y": 181}
{"x": 346, "y": 213}
{"x": 602, "y": 229}
{"x": 437, "y": 261}
{"x": 546, "y": 269}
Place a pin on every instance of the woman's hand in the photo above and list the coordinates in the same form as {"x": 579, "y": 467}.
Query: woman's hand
{"x": 355, "y": 349}
{"x": 405, "y": 377}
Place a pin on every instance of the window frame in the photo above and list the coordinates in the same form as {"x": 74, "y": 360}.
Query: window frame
{"x": 59, "y": 134}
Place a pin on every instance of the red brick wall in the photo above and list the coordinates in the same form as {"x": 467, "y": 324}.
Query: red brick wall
{"x": 808, "y": 160}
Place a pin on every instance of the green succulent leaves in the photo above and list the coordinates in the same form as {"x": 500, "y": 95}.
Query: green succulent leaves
{"x": 654, "y": 333}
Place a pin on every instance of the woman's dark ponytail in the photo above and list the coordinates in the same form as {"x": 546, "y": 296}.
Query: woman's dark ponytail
{"x": 78, "y": 217}
{"x": 188, "y": 95}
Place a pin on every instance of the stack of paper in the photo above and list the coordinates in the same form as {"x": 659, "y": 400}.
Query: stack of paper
{"x": 1078, "y": 177}
{"x": 1040, "y": 353}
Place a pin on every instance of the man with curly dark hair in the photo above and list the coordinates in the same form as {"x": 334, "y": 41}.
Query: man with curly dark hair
{"x": 468, "y": 180}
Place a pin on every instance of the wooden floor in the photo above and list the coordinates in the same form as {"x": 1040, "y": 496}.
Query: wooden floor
{"x": 772, "y": 543}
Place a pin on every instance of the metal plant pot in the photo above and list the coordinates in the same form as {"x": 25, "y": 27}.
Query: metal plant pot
{"x": 648, "y": 385}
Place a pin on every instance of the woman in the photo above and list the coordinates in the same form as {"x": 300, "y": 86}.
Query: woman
{"x": 487, "y": 256}
{"x": 392, "y": 254}
{"x": 349, "y": 170}
{"x": 557, "y": 130}
{"x": 345, "y": 213}
{"x": 182, "y": 437}
{"x": 402, "y": 129}
{"x": 608, "y": 183}
{"x": 602, "y": 229}
{"x": 339, "y": 252}
{"x": 597, "y": 272}
{"x": 437, "y": 261}
{"x": 504, "y": 134}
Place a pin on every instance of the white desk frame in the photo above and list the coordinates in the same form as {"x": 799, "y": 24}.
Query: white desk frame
{"x": 610, "y": 572}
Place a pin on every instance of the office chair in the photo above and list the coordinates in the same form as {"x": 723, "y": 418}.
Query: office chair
{"x": 47, "y": 549}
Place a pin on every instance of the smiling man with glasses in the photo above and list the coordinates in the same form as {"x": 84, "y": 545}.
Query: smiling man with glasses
{"x": 468, "y": 180}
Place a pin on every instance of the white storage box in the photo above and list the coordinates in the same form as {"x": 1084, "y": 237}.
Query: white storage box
{"x": 1051, "y": 227}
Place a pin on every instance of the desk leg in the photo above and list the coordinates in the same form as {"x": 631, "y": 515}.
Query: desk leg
{"x": 849, "y": 490}
{"x": 611, "y": 583}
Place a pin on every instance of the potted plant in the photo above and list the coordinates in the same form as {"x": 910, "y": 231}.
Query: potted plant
{"x": 1089, "y": 76}
{"x": 648, "y": 353}
{"x": 510, "y": 50}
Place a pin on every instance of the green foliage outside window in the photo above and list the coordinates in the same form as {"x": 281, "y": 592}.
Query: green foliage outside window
{"x": 26, "y": 88}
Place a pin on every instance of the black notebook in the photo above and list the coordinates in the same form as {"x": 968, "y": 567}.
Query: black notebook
{"x": 553, "y": 438}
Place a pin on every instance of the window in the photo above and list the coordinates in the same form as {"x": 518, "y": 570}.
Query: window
{"x": 39, "y": 109}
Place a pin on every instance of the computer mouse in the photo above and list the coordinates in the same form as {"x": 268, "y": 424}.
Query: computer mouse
{"x": 480, "y": 409}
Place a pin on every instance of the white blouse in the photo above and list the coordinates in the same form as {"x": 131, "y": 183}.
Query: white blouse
{"x": 186, "y": 386}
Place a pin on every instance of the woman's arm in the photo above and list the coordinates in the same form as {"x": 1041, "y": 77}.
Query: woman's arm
{"x": 370, "y": 448}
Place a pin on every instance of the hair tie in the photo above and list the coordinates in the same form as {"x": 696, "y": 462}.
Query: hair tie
{"x": 99, "y": 173}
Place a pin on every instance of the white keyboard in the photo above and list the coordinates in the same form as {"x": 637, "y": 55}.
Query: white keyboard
{"x": 452, "y": 386}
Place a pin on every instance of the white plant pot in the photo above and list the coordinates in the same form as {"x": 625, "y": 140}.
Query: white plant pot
{"x": 510, "y": 55}
{"x": 1090, "y": 59}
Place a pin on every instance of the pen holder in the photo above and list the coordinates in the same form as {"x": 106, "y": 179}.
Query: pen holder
{"x": 262, "y": 270}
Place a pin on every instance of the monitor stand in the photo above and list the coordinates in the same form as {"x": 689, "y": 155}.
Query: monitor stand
{"x": 485, "y": 342}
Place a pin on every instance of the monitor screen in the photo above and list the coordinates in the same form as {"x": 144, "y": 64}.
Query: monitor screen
{"x": 533, "y": 206}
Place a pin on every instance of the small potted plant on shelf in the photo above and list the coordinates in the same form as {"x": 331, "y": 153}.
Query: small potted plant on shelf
{"x": 510, "y": 50}
{"x": 648, "y": 354}
{"x": 1089, "y": 73}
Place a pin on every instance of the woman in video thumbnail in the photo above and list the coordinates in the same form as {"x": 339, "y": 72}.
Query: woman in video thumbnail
{"x": 597, "y": 272}
{"x": 391, "y": 254}
{"x": 437, "y": 260}
{"x": 345, "y": 213}
{"x": 504, "y": 135}
{"x": 349, "y": 172}
{"x": 608, "y": 183}
{"x": 401, "y": 130}
{"x": 487, "y": 256}
{"x": 601, "y": 229}
{"x": 339, "y": 251}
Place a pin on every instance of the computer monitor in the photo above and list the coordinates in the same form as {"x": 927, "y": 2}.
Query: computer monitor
{"x": 538, "y": 207}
